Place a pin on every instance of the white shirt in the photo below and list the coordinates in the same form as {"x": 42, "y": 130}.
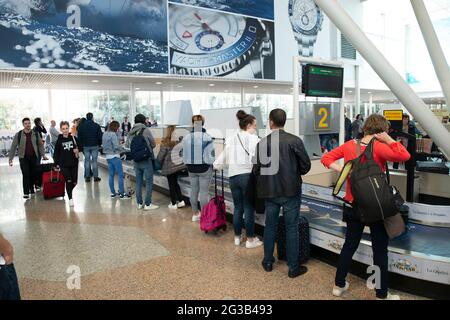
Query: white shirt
{"x": 236, "y": 156}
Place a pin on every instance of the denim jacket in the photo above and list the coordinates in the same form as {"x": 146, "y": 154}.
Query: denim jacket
{"x": 111, "y": 144}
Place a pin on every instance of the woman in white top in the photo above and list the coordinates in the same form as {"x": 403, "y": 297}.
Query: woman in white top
{"x": 237, "y": 156}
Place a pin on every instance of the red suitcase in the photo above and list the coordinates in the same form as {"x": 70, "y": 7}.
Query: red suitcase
{"x": 53, "y": 184}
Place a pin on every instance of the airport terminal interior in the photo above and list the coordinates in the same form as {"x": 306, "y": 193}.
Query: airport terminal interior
{"x": 95, "y": 92}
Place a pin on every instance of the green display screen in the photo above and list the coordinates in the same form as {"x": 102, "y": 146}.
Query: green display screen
{"x": 322, "y": 81}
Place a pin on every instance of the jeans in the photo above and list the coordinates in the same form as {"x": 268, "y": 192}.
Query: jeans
{"x": 28, "y": 167}
{"x": 380, "y": 241}
{"x": 9, "y": 286}
{"x": 174, "y": 188}
{"x": 71, "y": 177}
{"x": 90, "y": 161}
{"x": 291, "y": 212}
{"x": 115, "y": 167}
{"x": 242, "y": 207}
{"x": 144, "y": 169}
{"x": 200, "y": 187}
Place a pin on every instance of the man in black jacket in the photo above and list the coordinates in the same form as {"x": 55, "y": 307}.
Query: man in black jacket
{"x": 281, "y": 160}
{"x": 90, "y": 137}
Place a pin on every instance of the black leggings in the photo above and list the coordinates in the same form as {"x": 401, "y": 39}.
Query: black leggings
{"x": 174, "y": 188}
{"x": 71, "y": 176}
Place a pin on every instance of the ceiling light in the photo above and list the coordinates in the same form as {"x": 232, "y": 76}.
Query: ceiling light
{"x": 15, "y": 86}
{"x": 95, "y": 81}
{"x": 158, "y": 83}
{"x": 180, "y": 86}
{"x": 349, "y": 91}
{"x": 225, "y": 91}
{"x": 47, "y": 83}
{"x": 137, "y": 88}
{"x": 369, "y": 92}
{"x": 211, "y": 84}
{"x": 17, "y": 79}
{"x": 256, "y": 87}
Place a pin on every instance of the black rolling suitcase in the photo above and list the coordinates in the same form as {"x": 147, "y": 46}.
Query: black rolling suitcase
{"x": 304, "y": 242}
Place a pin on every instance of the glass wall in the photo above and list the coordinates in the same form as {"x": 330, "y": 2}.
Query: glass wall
{"x": 149, "y": 104}
{"x": 268, "y": 102}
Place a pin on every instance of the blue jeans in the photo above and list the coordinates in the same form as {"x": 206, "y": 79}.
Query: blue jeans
{"x": 115, "y": 167}
{"x": 144, "y": 169}
{"x": 242, "y": 207}
{"x": 90, "y": 161}
{"x": 380, "y": 242}
{"x": 9, "y": 286}
{"x": 291, "y": 212}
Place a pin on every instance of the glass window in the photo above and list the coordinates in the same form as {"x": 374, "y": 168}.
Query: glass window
{"x": 268, "y": 102}
{"x": 149, "y": 104}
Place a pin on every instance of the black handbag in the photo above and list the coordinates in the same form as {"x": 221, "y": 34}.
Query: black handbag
{"x": 252, "y": 196}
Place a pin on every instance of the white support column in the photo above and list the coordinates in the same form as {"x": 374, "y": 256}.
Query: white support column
{"x": 242, "y": 96}
{"x": 161, "y": 99}
{"x": 132, "y": 103}
{"x": 434, "y": 47}
{"x": 357, "y": 91}
{"x": 387, "y": 73}
{"x": 342, "y": 119}
{"x": 370, "y": 103}
{"x": 50, "y": 104}
{"x": 296, "y": 96}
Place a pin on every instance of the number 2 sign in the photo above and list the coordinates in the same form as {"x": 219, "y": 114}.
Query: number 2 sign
{"x": 322, "y": 117}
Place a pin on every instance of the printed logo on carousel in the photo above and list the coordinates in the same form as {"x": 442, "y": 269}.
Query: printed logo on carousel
{"x": 436, "y": 271}
{"x": 335, "y": 244}
{"x": 405, "y": 266}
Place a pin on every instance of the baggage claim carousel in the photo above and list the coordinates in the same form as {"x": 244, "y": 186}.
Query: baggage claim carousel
{"x": 419, "y": 260}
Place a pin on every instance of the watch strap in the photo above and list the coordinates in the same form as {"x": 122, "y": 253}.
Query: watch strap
{"x": 306, "y": 44}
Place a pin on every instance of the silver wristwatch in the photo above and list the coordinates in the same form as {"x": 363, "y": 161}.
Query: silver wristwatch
{"x": 306, "y": 20}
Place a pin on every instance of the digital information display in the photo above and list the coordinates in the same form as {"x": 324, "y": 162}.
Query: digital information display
{"x": 322, "y": 81}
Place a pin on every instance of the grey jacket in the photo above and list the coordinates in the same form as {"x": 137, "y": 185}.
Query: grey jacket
{"x": 171, "y": 160}
{"x": 38, "y": 146}
{"x": 147, "y": 135}
{"x": 111, "y": 145}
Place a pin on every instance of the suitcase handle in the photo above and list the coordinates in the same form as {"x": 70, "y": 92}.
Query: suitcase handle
{"x": 51, "y": 175}
{"x": 215, "y": 184}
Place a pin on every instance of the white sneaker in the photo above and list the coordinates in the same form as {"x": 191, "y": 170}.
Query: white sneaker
{"x": 71, "y": 204}
{"x": 151, "y": 207}
{"x": 196, "y": 217}
{"x": 338, "y": 291}
{"x": 140, "y": 206}
{"x": 172, "y": 206}
{"x": 391, "y": 297}
{"x": 253, "y": 244}
{"x": 237, "y": 240}
{"x": 181, "y": 204}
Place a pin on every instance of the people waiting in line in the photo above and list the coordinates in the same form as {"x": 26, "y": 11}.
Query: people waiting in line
{"x": 74, "y": 129}
{"x": 171, "y": 166}
{"x": 126, "y": 128}
{"x": 409, "y": 143}
{"x": 237, "y": 156}
{"x": 357, "y": 125}
{"x": 90, "y": 137}
{"x": 384, "y": 149}
{"x": 66, "y": 158}
{"x": 54, "y": 134}
{"x": 199, "y": 156}
{"x": 9, "y": 286}
{"x": 112, "y": 151}
{"x": 143, "y": 168}
{"x": 281, "y": 160}
{"x": 31, "y": 150}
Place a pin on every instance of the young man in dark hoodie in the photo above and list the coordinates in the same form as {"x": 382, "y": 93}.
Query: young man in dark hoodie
{"x": 66, "y": 158}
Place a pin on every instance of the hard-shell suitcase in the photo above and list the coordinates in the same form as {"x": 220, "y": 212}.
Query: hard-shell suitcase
{"x": 53, "y": 184}
{"x": 304, "y": 240}
{"x": 214, "y": 216}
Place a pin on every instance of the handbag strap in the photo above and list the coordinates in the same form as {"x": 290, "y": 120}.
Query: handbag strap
{"x": 242, "y": 145}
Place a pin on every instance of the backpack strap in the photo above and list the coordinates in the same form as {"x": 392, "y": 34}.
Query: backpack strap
{"x": 358, "y": 147}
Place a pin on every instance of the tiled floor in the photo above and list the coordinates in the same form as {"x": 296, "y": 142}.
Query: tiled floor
{"x": 122, "y": 254}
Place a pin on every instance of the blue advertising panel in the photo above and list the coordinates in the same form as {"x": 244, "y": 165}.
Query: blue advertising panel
{"x": 256, "y": 8}
{"x": 94, "y": 35}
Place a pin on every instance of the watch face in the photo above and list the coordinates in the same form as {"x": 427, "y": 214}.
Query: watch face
{"x": 208, "y": 42}
{"x": 305, "y": 16}
{"x": 196, "y": 31}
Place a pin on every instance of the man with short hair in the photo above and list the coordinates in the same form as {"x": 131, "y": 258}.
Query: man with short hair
{"x": 90, "y": 137}
{"x": 281, "y": 160}
{"x": 9, "y": 287}
{"x": 31, "y": 150}
{"x": 145, "y": 168}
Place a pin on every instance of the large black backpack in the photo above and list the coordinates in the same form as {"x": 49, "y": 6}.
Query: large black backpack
{"x": 139, "y": 149}
{"x": 373, "y": 197}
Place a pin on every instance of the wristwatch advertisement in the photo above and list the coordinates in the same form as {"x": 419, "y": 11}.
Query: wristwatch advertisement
{"x": 211, "y": 43}
{"x": 306, "y": 20}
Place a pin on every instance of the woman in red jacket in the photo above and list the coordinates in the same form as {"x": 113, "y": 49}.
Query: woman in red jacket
{"x": 384, "y": 149}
